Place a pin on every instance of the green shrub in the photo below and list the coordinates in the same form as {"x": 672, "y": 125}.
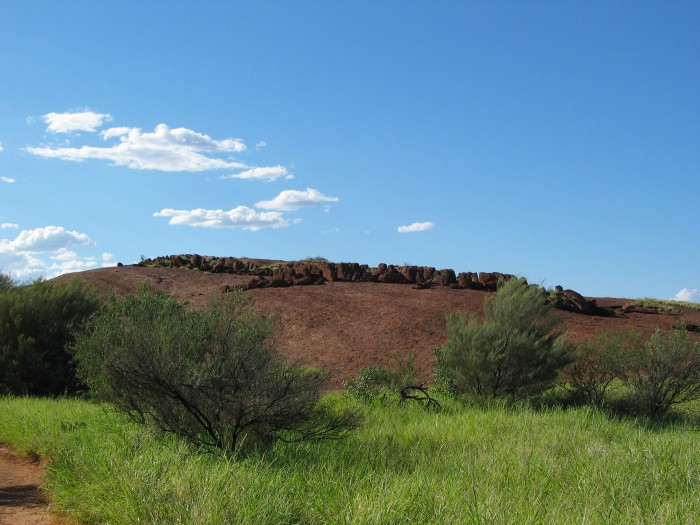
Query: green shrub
{"x": 6, "y": 283}
{"x": 209, "y": 376}
{"x": 377, "y": 381}
{"x": 37, "y": 322}
{"x": 518, "y": 350}
{"x": 663, "y": 372}
{"x": 597, "y": 363}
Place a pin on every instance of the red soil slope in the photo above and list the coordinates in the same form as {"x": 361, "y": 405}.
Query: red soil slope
{"x": 344, "y": 326}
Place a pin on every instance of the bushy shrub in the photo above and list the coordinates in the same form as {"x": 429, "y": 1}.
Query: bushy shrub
{"x": 37, "y": 323}
{"x": 664, "y": 371}
{"x": 6, "y": 283}
{"x": 597, "y": 363}
{"x": 209, "y": 376}
{"x": 516, "y": 351}
{"x": 377, "y": 381}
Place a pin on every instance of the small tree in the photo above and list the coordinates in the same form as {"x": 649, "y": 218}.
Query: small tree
{"x": 664, "y": 371}
{"x": 209, "y": 376}
{"x": 518, "y": 349}
{"x": 37, "y": 323}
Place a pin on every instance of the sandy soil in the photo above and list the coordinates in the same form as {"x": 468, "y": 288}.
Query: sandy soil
{"x": 21, "y": 501}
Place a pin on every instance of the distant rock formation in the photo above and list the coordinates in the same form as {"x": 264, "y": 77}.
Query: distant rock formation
{"x": 277, "y": 274}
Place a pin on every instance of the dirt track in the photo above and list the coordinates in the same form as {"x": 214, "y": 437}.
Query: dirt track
{"x": 21, "y": 500}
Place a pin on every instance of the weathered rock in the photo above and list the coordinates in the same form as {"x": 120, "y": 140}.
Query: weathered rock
{"x": 445, "y": 277}
{"x": 392, "y": 278}
{"x": 303, "y": 281}
{"x": 425, "y": 274}
{"x": 409, "y": 273}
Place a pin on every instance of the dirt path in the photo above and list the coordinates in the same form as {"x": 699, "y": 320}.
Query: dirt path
{"x": 21, "y": 501}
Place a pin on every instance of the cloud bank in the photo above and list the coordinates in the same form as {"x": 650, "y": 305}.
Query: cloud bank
{"x": 416, "y": 227}
{"x": 20, "y": 256}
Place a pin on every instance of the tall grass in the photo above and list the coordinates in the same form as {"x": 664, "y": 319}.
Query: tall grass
{"x": 464, "y": 465}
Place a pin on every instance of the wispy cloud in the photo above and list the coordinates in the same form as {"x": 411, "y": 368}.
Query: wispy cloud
{"x": 164, "y": 149}
{"x": 8, "y": 180}
{"x": 8, "y": 225}
{"x": 290, "y": 200}
{"x": 416, "y": 227}
{"x": 267, "y": 174}
{"x": 239, "y": 217}
{"x": 79, "y": 121}
{"x": 1, "y": 148}
{"x": 688, "y": 295}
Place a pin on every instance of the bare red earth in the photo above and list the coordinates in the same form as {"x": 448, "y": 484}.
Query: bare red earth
{"x": 21, "y": 501}
{"x": 344, "y": 326}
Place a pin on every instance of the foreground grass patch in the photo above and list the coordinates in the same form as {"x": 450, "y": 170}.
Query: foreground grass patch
{"x": 403, "y": 466}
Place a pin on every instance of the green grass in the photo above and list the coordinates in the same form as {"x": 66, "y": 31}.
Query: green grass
{"x": 464, "y": 465}
{"x": 668, "y": 306}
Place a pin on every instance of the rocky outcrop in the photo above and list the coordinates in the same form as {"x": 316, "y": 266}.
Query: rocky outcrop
{"x": 572, "y": 301}
{"x": 277, "y": 274}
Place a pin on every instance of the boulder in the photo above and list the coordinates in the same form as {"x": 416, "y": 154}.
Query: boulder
{"x": 445, "y": 277}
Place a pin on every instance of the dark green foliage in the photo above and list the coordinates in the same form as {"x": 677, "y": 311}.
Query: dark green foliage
{"x": 664, "y": 371}
{"x": 516, "y": 351}
{"x": 209, "y": 376}
{"x": 378, "y": 381}
{"x": 37, "y": 322}
{"x": 6, "y": 283}
{"x": 597, "y": 363}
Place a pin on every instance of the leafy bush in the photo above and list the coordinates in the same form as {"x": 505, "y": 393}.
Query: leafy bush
{"x": 664, "y": 371}
{"x": 209, "y": 376}
{"x": 518, "y": 349}
{"x": 597, "y": 363}
{"x": 377, "y": 381}
{"x": 37, "y": 322}
{"x": 6, "y": 283}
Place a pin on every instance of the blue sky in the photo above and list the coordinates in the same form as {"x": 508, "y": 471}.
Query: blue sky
{"x": 555, "y": 140}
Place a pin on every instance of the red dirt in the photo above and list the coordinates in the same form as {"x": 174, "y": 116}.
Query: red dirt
{"x": 345, "y": 326}
{"x": 21, "y": 501}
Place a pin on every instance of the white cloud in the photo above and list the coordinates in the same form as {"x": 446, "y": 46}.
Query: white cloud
{"x": 21, "y": 256}
{"x": 688, "y": 295}
{"x": 239, "y": 217}
{"x": 268, "y": 174}
{"x": 8, "y": 225}
{"x": 80, "y": 121}
{"x": 164, "y": 149}
{"x": 106, "y": 256}
{"x": 68, "y": 261}
{"x": 290, "y": 200}
{"x": 8, "y": 180}
{"x": 416, "y": 227}
{"x": 260, "y": 145}
{"x": 1, "y": 148}
{"x": 42, "y": 240}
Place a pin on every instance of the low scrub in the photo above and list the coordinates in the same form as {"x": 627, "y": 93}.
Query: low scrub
{"x": 517, "y": 351}
{"x": 208, "y": 376}
{"x": 37, "y": 323}
{"x": 655, "y": 374}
